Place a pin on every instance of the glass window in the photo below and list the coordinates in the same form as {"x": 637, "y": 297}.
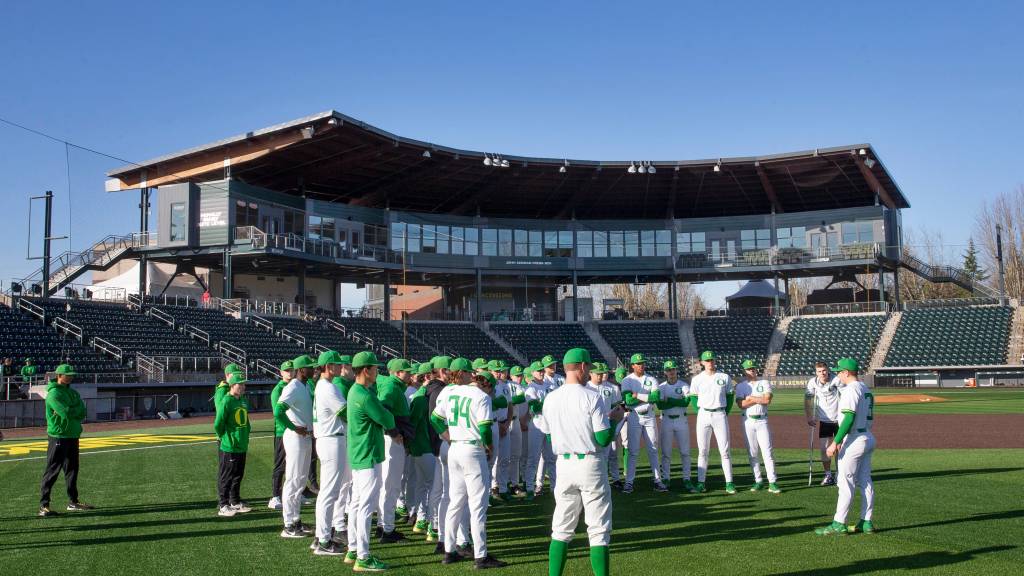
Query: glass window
{"x": 683, "y": 242}
{"x": 747, "y": 239}
{"x": 472, "y": 239}
{"x": 616, "y": 244}
{"x": 584, "y": 243}
{"x": 697, "y": 243}
{"x": 457, "y": 239}
{"x": 314, "y": 227}
{"x": 764, "y": 238}
{"x": 443, "y": 235}
{"x": 489, "y": 243}
{"x": 398, "y": 236}
{"x": 504, "y": 242}
{"x": 565, "y": 239}
{"x": 631, "y": 239}
{"x": 429, "y": 238}
{"x": 536, "y": 247}
{"x": 849, "y": 233}
{"x": 179, "y": 222}
{"x": 550, "y": 239}
{"x": 600, "y": 244}
{"x": 663, "y": 236}
{"x": 866, "y": 232}
{"x": 414, "y": 231}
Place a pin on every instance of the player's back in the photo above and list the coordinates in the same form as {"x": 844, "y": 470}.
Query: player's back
{"x": 858, "y": 397}
{"x": 571, "y": 416}
{"x": 466, "y": 407}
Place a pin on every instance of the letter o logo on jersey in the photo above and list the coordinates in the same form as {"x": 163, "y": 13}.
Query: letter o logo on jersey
{"x": 241, "y": 417}
{"x": 760, "y": 388}
{"x": 720, "y": 381}
{"x": 679, "y": 390}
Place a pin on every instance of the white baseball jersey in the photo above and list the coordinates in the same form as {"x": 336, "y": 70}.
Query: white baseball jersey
{"x": 299, "y": 399}
{"x": 520, "y": 409}
{"x": 466, "y": 408}
{"x": 826, "y": 398}
{"x": 856, "y": 397}
{"x": 711, "y": 390}
{"x": 757, "y": 389}
{"x": 678, "y": 389}
{"x": 572, "y": 414}
{"x": 328, "y": 403}
{"x": 409, "y": 391}
{"x": 640, "y": 385}
{"x": 554, "y": 381}
{"x": 501, "y": 388}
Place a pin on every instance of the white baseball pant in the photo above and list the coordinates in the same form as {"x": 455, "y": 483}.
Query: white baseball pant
{"x": 717, "y": 422}
{"x": 468, "y": 467}
{"x": 759, "y": 443}
{"x": 502, "y": 462}
{"x": 854, "y": 470}
{"x": 420, "y": 476}
{"x": 332, "y": 451}
{"x": 612, "y": 451}
{"x": 582, "y": 483}
{"x": 539, "y": 458}
{"x": 366, "y": 492}
{"x": 675, "y": 431}
{"x": 440, "y": 496}
{"x": 645, "y": 427}
{"x": 392, "y": 470}
{"x": 405, "y": 494}
{"x": 517, "y": 443}
{"x": 297, "y": 453}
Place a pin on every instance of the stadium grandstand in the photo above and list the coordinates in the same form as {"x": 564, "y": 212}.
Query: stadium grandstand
{"x": 487, "y": 255}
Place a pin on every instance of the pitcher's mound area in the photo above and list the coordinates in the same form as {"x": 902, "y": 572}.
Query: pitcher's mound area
{"x": 907, "y": 399}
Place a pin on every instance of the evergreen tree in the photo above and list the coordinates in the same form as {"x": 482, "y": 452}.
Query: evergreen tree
{"x": 971, "y": 266}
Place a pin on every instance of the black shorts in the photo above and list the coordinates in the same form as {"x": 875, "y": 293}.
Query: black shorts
{"x": 827, "y": 429}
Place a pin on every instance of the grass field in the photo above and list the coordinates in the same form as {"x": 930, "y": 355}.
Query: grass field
{"x": 937, "y": 511}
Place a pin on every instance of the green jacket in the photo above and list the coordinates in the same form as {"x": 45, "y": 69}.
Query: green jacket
{"x": 29, "y": 371}
{"x": 65, "y": 411}
{"x": 391, "y": 393}
{"x": 232, "y": 425}
{"x": 219, "y": 394}
{"x": 343, "y": 386}
{"x": 275, "y": 395}
{"x": 367, "y": 421}
{"x": 420, "y": 419}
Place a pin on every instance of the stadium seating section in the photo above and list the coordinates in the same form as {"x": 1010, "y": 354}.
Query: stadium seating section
{"x": 24, "y": 336}
{"x": 381, "y": 332}
{"x": 317, "y": 332}
{"x": 537, "y": 339}
{"x": 258, "y": 343}
{"x": 960, "y": 336}
{"x": 459, "y": 338}
{"x": 658, "y": 341}
{"x": 733, "y": 339}
{"x": 826, "y": 339}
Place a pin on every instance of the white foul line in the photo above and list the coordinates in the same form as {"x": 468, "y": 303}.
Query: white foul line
{"x": 2, "y": 460}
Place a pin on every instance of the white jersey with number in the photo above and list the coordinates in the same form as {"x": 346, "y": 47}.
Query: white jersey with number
{"x": 640, "y": 385}
{"x": 857, "y": 398}
{"x": 754, "y": 389}
{"x": 572, "y": 414}
{"x": 465, "y": 408}
{"x": 677, "y": 390}
{"x": 826, "y": 398}
{"x": 501, "y": 388}
{"x": 520, "y": 410}
{"x": 711, "y": 390}
{"x": 328, "y": 405}
{"x": 299, "y": 399}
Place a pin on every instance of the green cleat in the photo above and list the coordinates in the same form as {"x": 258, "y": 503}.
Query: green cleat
{"x": 730, "y": 488}
{"x": 774, "y": 488}
{"x": 832, "y": 529}
{"x": 699, "y": 488}
{"x": 431, "y": 535}
{"x": 420, "y": 527}
{"x": 369, "y": 564}
{"x": 864, "y": 527}
{"x": 688, "y": 486}
{"x": 757, "y": 487}
{"x": 401, "y": 512}
{"x": 350, "y": 557}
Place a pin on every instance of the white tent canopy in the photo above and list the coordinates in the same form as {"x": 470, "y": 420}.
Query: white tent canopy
{"x": 156, "y": 278}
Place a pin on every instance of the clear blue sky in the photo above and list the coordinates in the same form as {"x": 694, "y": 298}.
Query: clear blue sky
{"x": 935, "y": 86}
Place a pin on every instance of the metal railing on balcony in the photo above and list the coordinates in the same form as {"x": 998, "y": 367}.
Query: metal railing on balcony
{"x": 148, "y": 368}
{"x": 261, "y": 322}
{"x": 32, "y": 308}
{"x": 161, "y": 316}
{"x": 68, "y": 328}
{"x": 232, "y": 352}
{"x": 107, "y": 347}
{"x": 267, "y": 368}
{"x": 196, "y": 333}
{"x": 293, "y": 337}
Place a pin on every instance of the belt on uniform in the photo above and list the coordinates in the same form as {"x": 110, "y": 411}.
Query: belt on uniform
{"x": 861, "y": 430}
{"x": 473, "y": 442}
{"x": 570, "y": 455}
{"x": 713, "y": 409}
{"x": 755, "y": 417}
{"x": 674, "y": 416}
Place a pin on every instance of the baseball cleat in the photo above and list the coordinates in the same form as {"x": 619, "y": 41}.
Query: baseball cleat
{"x": 274, "y": 504}
{"x": 45, "y": 512}
{"x": 699, "y": 488}
{"x": 369, "y": 564}
{"x": 864, "y": 527}
{"x": 774, "y": 488}
{"x": 226, "y": 512}
{"x": 306, "y": 529}
{"x": 688, "y": 487}
{"x": 730, "y": 488}
{"x": 80, "y": 506}
{"x": 328, "y": 549}
{"x": 420, "y": 527}
{"x": 439, "y": 549}
{"x": 339, "y": 536}
{"x": 618, "y": 484}
{"x": 242, "y": 508}
{"x": 308, "y": 501}
{"x": 659, "y": 487}
{"x": 828, "y": 480}
{"x": 391, "y": 537}
{"x": 627, "y": 488}
{"x": 292, "y": 531}
{"x": 465, "y": 550}
{"x": 431, "y": 535}
{"x": 488, "y": 562}
{"x": 835, "y": 528}
{"x": 451, "y": 558}
{"x": 401, "y": 512}
{"x": 757, "y": 487}
{"x": 350, "y": 557}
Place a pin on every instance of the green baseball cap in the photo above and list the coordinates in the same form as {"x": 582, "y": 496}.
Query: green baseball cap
{"x": 620, "y": 373}
{"x": 516, "y": 371}
{"x": 669, "y": 365}
{"x": 847, "y": 364}
{"x": 364, "y": 359}
{"x": 637, "y": 359}
{"x": 488, "y": 376}
{"x": 346, "y": 359}
{"x": 479, "y": 363}
{"x": 328, "y": 357}
{"x": 460, "y": 365}
{"x": 748, "y": 364}
{"x": 399, "y": 365}
{"x": 497, "y": 366}
{"x": 548, "y": 360}
{"x": 536, "y": 366}
{"x": 576, "y": 356}
{"x": 286, "y": 365}
{"x": 236, "y": 378}
{"x": 424, "y": 368}
{"x": 707, "y": 355}
{"x": 599, "y": 368}
{"x": 65, "y": 370}
{"x": 441, "y": 362}
{"x": 303, "y": 361}
{"x": 229, "y": 369}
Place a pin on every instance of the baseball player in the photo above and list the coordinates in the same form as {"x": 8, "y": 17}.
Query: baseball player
{"x": 855, "y": 444}
{"x": 455, "y": 372}
{"x": 821, "y": 406}
{"x": 464, "y": 417}
{"x": 540, "y": 455}
{"x": 502, "y": 444}
{"x": 65, "y": 411}
{"x": 232, "y": 427}
{"x": 612, "y": 399}
{"x": 368, "y": 422}
{"x": 295, "y": 413}
{"x": 391, "y": 393}
{"x": 621, "y": 432}
{"x": 420, "y": 471}
{"x": 517, "y": 430}
{"x": 714, "y": 394}
{"x": 277, "y": 476}
{"x": 330, "y": 410}
{"x": 675, "y": 426}
{"x": 577, "y": 419}
{"x": 551, "y": 375}
{"x": 753, "y": 395}
{"x": 640, "y": 392}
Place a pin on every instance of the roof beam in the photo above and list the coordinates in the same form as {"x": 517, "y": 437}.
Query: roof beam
{"x": 873, "y": 182}
{"x": 769, "y": 189}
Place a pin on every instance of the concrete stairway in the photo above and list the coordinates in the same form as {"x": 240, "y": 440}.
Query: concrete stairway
{"x": 512, "y": 352}
{"x": 602, "y": 345}
{"x": 775, "y": 346}
{"x": 687, "y": 340}
{"x": 884, "y": 341}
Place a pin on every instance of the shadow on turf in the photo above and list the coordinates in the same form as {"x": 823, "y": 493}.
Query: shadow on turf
{"x": 1008, "y": 515}
{"x": 919, "y": 561}
{"x": 940, "y": 473}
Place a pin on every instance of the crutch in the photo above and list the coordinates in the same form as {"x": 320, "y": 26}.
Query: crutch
{"x": 810, "y": 446}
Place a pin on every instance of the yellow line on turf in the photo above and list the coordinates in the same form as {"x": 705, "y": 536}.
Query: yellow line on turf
{"x": 4, "y": 460}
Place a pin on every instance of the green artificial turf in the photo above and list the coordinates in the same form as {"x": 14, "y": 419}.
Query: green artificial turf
{"x": 937, "y": 512}
{"x": 956, "y": 401}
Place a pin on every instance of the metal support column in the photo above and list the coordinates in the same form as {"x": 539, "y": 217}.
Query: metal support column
{"x": 881, "y": 284}
{"x": 144, "y": 230}
{"x": 228, "y": 284}
{"x": 776, "y": 284}
{"x": 999, "y": 258}
{"x": 46, "y": 242}
{"x": 575, "y": 299}
{"x": 387, "y": 296}
{"x": 673, "y": 299}
{"x": 477, "y": 316}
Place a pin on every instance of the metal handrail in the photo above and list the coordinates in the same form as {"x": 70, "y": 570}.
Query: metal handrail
{"x": 267, "y": 368}
{"x": 32, "y": 308}
{"x": 293, "y": 337}
{"x": 149, "y": 367}
{"x": 134, "y": 302}
{"x": 67, "y": 327}
{"x": 196, "y": 332}
{"x": 262, "y": 322}
{"x": 388, "y": 351}
{"x": 107, "y": 347}
{"x": 233, "y": 353}
{"x": 319, "y": 349}
{"x": 162, "y": 316}
{"x": 337, "y": 326}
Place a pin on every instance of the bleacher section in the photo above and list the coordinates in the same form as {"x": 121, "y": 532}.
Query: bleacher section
{"x": 23, "y": 336}
{"x": 658, "y": 341}
{"x": 317, "y": 332}
{"x": 381, "y": 332}
{"x": 460, "y": 338}
{"x": 827, "y": 339}
{"x": 128, "y": 330}
{"x": 958, "y": 336}
{"x": 733, "y": 339}
{"x": 536, "y": 339}
{"x": 257, "y": 342}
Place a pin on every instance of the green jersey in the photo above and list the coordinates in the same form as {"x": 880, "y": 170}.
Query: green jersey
{"x": 343, "y": 385}
{"x": 232, "y": 425}
{"x": 419, "y": 417}
{"x": 391, "y": 393}
{"x": 65, "y": 411}
{"x": 29, "y": 371}
{"x": 275, "y": 395}
{"x": 367, "y": 421}
{"x": 219, "y": 394}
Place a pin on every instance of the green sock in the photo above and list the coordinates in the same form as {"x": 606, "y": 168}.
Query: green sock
{"x": 600, "y": 560}
{"x": 556, "y": 557}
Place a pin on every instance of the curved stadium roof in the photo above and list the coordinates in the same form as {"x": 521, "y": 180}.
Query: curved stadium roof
{"x": 331, "y": 156}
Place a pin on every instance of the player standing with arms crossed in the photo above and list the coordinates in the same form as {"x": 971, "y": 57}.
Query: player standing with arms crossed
{"x": 517, "y": 429}
{"x": 640, "y": 393}
{"x": 577, "y": 419}
{"x": 855, "y": 445}
{"x": 714, "y": 394}
{"x": 753, "y": 395}
{"x": 821, "y": 406}
{"x": 232, "y": 428}
{"x": 65, "y": 411}
{"x": 295, "y": 412}
{"x": 675, "y": 426}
